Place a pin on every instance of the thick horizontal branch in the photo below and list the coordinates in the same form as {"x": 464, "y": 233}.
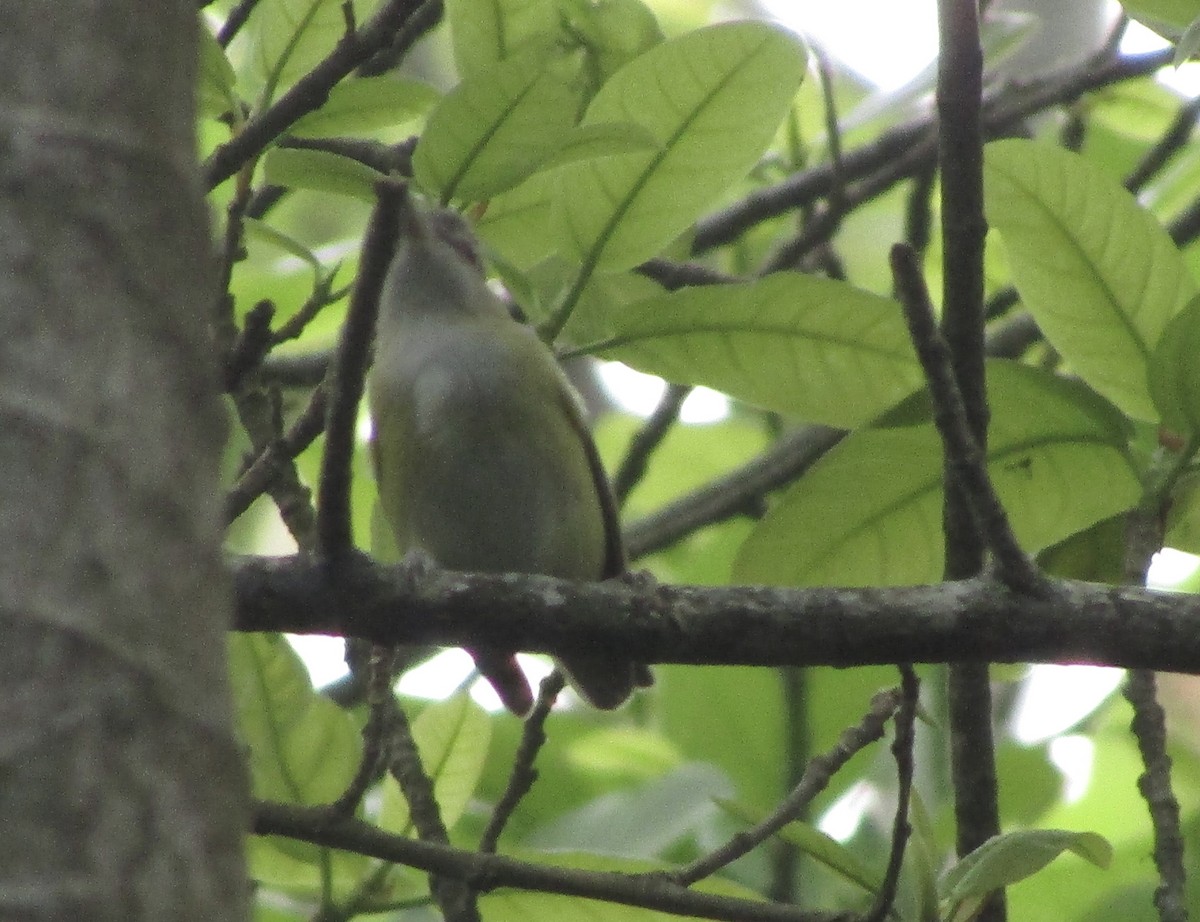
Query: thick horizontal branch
{"x": 973, "y": 620}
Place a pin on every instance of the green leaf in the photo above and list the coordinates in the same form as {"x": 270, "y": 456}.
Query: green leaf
{"x": 260, "y": 230}
{"x": 1095, "y": 554}
{"x": 521, "y": 225}
{"x": 713, "y": 98}
{"x": 1183, "y": 518}
{"x": 815, "y": 348}
{"x": 485, "y": 32}
{"x": 513, "y": 905}
{"x": 1097, "y": 271}
{"x": 811, "y": 841}
{"x": 642, "y": 821}
{"x": 615, "y": 32}
{"x": 1189, "y": 42}
{"x": 302, "y": 870}
{"x": 870, "y": 512}
{"x": 452, "y": 738}
{"x": 587, "y": 142}
{"x": 214, "y": 94}
{"x": 1005, "y": 859}
{"x": 494, "y": 128}
{"x": 1175, "y": 373}
{"x": 283, "y": 40}
{"x": 303, "y": 748}
{"x": 367, "y": 104}
{"x": 1169, "y": 18}
{"x": 703, "y": 711}
{"x": 320, "y": 171}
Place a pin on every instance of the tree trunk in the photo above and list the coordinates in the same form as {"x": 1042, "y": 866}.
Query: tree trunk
{"x": 121, "y": 789}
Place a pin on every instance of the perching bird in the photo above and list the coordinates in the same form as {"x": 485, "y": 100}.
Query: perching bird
{"x": 482, "y": 456}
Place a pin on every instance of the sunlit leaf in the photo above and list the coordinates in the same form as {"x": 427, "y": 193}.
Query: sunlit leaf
{"x": 494, "y": 128}
{"x": 713, "y": 98}
{"x": 870, "y": 512}
{"x": 484, "y": 32}
{"x": 814, "y": 348}
{"x": 320, "y": 171}
{"x": 302, "y": 748}
{"x": 1097, "y": 271}
{"x": 452, "y": 739}
{"x": 214, "y": 92}
{"x": 262, "y": 231}
{"x": 284, "y": 39}
{"x": 366, "y": 104}
{"x": 587, "y": 142}
{"x": 1169, "y": 18}
{"x": 615, "y": 32}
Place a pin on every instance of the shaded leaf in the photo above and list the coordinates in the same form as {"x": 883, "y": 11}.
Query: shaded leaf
{"x": 642, "y": 821}
{"x": 1005, "y": 859}
{"x": 816, "y": 844}
{"x": 1175, "y": 373}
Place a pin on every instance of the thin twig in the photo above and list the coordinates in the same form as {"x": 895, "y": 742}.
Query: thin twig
{"x": 918, "y": 211}
{"x": 385, "y": 159}
{"x": 309, "y": 92}
{"x": 1143, "y": 539}
{"x": 376, "y": 733}
{"x": 454, "y": 897}
{"x": 419, "y": 24}
{"x": 1003, "y": 107}
{"x": 523, "y": 775}
{"x": 965, "y": 459}
{"x": 902, "y": 750}
{"x": 970, "y": 516}
{"x": 234, "y": 21}
{"x": 259, "y": 412}
{"x": 249, "y": 347}
{"x": 322, "y": 296}
{"x": 322, "y": 827}
{"x": 833, "y": 128}
{"x": 816, "y": 778}
{"x": 349, "y": 371}
{"x": 1166, "y": 147}
{"x": 785, "y": 856}
{"x": 825, "y": 224}
{"x": 276, "y": 458}
{"x": 647, "y": 439}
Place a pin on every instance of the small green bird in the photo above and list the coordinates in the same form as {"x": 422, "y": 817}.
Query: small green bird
{"x": 482, "y": 456}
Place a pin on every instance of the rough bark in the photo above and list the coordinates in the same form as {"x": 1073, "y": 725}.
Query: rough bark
{"x": 121, "y": 793}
